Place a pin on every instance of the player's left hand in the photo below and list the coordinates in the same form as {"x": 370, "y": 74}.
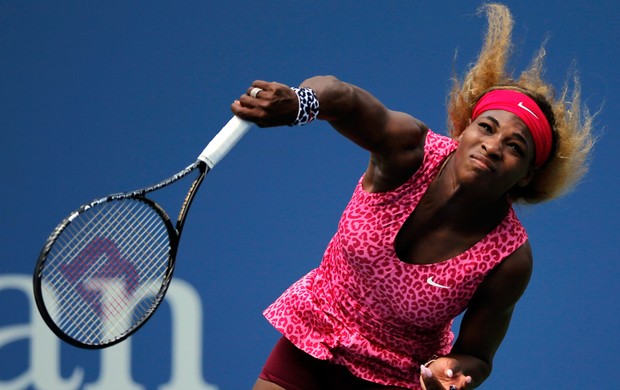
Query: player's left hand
{"x": 444, "y": 374}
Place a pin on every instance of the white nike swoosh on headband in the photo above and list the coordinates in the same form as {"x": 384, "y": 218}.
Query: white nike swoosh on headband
{"x": 527, "y": 109}
{"x": 432, "y": 283}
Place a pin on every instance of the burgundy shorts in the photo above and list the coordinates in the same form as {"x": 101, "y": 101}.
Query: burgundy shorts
{"x": 293, "y": 369}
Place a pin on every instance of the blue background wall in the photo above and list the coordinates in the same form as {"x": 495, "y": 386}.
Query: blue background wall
{"x": 101, "y": 97}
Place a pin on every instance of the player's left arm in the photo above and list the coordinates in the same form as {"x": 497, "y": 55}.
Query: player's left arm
{"x": 487, "y": 318}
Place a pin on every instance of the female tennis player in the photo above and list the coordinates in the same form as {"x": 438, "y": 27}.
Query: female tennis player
{"x": 430, "y": 230}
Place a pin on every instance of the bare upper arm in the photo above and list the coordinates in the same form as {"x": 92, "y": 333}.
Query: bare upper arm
{"x": 394, "y": 139}
{"x": 488, "y": 316}
{"x": 399, "y": 154}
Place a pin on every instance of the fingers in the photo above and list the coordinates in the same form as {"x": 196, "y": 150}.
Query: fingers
{"x": 254, "y": 92}
{"x": 426, "y": 372}
{"x": 449, "y": 380}
{"x": 259, "y": 92}
{"x": 428, "y": 381}
{"x": 450, "y": 374}
{"x": 246, "y": 103}
{"x": 267, "y": 104}
{"x": 260, "y": 86}
{"x": 423, "y": 384}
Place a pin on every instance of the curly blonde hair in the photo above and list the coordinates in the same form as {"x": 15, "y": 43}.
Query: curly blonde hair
{"x": 571, "y": 123}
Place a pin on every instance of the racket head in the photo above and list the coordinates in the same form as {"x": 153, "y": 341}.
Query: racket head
{"x": 105, "y": 269}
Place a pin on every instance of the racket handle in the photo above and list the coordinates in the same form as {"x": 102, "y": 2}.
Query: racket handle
{"x": 223, "y": 141}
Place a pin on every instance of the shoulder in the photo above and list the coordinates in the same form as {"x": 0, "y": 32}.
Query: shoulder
{"x": 404, "y": 130}
{"x": 399, "y": 153}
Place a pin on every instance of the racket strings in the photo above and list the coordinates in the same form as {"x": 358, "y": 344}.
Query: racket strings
{"x": 115, "y": 308}
{"x": 104, "y": 272}
{"x": 76, "y": 236}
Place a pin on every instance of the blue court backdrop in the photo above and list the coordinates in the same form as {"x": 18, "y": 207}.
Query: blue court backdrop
{"x": 102, "y": 97}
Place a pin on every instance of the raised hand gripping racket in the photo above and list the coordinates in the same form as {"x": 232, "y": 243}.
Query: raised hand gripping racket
{"x": 105, "y": 268}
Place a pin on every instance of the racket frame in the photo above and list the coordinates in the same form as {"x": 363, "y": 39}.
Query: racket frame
{"x": 174, "y": 235}
{"x": 217, "y": 148}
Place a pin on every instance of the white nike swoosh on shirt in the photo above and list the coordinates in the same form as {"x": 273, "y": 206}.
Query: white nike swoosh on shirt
{"x": 432, "y": 283}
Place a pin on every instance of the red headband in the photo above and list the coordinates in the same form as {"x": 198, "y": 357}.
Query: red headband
{"x": 525, "y": 108}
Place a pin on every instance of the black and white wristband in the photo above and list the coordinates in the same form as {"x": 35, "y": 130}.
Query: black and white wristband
{"x": 308, "y": 106}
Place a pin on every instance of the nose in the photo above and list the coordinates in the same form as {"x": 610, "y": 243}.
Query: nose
{"x": 492, "y": 146}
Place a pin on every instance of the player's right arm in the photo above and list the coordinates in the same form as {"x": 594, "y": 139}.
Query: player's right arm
{"x": 394, "y": 139}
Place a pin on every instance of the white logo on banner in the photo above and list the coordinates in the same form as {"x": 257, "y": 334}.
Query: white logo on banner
{"x": 44, "y": 371}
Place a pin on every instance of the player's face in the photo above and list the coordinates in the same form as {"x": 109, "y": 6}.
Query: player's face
{"x": 496, "y": 152}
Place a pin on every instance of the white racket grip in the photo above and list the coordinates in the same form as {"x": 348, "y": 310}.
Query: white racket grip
{"x": 223, "y": 141}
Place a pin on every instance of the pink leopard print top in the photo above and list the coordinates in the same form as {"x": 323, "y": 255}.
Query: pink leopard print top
{"x": 377, "y": 315}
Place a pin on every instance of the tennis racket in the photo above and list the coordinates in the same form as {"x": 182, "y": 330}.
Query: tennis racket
{"x": 105, "y": 268}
